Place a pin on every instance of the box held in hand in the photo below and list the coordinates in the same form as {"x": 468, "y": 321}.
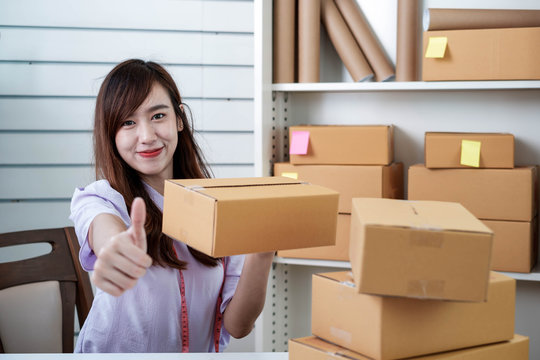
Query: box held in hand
{"x": 222, "y": 217}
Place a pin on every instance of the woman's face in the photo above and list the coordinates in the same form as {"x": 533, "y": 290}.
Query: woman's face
{"x": 148, "y": 138}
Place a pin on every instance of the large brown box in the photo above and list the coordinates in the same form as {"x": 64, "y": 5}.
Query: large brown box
{"x": 485, "y": 54}
{"x": 385, "y": 327}
{"x": 338, "y": 252}
{"x": 379, "y": 181}
{"x": 515, "y": 245}
{"x": 346, "y": 145}
{"x": 443, "y": 149}
{"x": 223, "y": 217}
{"x": 490, "y": 194}
{"x": 422, "y": 249}
{"x": 314, "y": 348}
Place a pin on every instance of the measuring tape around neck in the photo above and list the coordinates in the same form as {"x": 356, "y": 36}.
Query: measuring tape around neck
{"x": 184, "y": 312}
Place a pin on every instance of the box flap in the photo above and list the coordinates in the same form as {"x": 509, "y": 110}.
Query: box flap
{"x": 421, "y": 215}
{"x": 329, "y": 348}
{"x": 229, "y": 182}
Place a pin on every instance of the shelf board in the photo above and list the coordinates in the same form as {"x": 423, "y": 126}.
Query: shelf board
{"x": 407, "y": 86}
{"x": 310, "y": 262}
{"x": 533, "y": 276}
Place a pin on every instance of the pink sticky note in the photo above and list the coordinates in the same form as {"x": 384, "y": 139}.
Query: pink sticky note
{"x": 299, "y": 142}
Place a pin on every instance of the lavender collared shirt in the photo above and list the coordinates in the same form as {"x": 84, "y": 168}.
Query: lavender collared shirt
{"x": 147, "y": 317}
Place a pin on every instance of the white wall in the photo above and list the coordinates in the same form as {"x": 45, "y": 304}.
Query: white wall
{"x": 53, "y": 57}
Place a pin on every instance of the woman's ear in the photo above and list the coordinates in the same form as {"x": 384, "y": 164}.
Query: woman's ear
{"x": 180, "y": 122}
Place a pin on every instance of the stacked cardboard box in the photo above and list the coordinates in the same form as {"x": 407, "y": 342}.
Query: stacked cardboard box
{"x": 421, "y": 289}
{"x": 336, "y": 157}
{"x": 504, "y": 197}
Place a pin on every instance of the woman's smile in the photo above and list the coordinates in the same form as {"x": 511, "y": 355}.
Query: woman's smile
{"x": 150, "y": 153}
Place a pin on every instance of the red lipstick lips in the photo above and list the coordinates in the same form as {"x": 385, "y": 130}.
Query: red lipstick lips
{"x": 150, "y": 153}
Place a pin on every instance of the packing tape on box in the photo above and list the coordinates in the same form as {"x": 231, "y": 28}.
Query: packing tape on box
{"x": 424, "y": 237}
{"x": 424, "y": 288}
{"x": 341, "y": 334}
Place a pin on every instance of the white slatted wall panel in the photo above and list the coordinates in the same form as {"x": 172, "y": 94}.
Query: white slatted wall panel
{"x": 54, "y": 55}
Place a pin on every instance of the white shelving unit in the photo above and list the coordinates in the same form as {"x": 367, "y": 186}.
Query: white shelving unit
{"x": 414, "y": 108}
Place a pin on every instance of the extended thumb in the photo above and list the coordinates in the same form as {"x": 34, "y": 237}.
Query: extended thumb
{"x": 138, "y": 218}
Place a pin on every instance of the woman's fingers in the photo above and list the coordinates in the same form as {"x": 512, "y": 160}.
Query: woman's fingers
{"x": 120, "y": 264}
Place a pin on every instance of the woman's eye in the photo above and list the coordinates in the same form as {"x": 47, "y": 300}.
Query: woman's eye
{"x": 128, "y": 123}
{"x": 158, "y": 116}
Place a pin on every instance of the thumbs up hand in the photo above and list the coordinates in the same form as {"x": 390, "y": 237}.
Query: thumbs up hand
{"x": 122, "y": 260}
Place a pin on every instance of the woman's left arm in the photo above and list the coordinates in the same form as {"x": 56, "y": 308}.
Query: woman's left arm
{"x": 248, "y": 300}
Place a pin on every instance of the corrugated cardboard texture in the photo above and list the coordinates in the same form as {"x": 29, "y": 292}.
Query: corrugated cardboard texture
{"x": 339, "y": 251}
{"x": 485, "y": 54}
{"x": 346, "y": 145}
{"x": 351, "y": 180}
{"x": 515, "y": 245}
{"x": 237, "y": 216}
{"x": 421, "y": 249}
{"x": 490, "y": 194}
{"x": 387, "y": 328}
{"x": 314, "y": 348}
{"x": 443, "y": 150}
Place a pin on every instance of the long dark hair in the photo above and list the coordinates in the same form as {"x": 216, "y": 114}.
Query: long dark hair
{"x": 124, "y": 89}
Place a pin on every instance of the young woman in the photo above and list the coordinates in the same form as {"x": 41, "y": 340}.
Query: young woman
{"x": 154, "y": 294}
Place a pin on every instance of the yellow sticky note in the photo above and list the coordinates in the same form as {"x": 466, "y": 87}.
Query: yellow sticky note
{"x": 291, "y": 175}
{"x": 470, "y": 153}
{"x": 436, "y": 47}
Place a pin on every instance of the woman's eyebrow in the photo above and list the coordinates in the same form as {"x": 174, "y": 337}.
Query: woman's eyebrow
{"x": 157, "y": 107}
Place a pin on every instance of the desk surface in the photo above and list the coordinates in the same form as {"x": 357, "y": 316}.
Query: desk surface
{"x": 161, "y": 356}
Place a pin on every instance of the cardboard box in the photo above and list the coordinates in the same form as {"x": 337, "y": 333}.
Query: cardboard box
{"x": 444, "y": 150}
{"x": 223, "y": 217}
{"x": 314, "y": 348}
{"x": 378, "y": 181}
{"x": 338, "y": 252}
{"x": 385, "y": 328}
{"x": 490, "y": 194}
{"x": 515, "y": 245}
{"x": 485, "y": 54}
{"x": 421, "y": 249}
{"x": 343, "y": 144}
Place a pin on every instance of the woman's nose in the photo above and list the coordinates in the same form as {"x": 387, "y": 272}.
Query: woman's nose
{"x": 147, "y": 133}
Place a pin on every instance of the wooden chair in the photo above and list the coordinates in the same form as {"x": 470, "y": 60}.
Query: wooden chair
{"x": 49, "y": 285}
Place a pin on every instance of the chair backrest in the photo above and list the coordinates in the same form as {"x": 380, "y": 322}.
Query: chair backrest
{"x": 49, "y": 286}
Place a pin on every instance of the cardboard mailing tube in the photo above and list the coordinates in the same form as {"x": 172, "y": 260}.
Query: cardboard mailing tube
{"x": 355, "y": 19}
{"x": 407, "y": 40}
{"x": 344, "y": 42}
{"x": 309, "y": 30}
{"x": 283, "y": 31}
{"x": 461, "y": 19}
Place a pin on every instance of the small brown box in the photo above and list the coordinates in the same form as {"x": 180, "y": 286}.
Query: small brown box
{"x": 345, "y": 145}
{"x": 490, "y": 194}
{"x": 443, "y": 150}
{"x": 378, "y": 181}
{"x": 485, "y": 54}
{"x": 223, "y": 217}
{"x": 515, "y": 245}
{"x": 314, "y": 348}
{"x": 420, "y": 249}
{"x": 338, "y": 252}
{"x": 387, "y": 328}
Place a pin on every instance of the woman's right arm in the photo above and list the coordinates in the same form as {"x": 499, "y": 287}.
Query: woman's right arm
{"x": 121, "y": 253}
